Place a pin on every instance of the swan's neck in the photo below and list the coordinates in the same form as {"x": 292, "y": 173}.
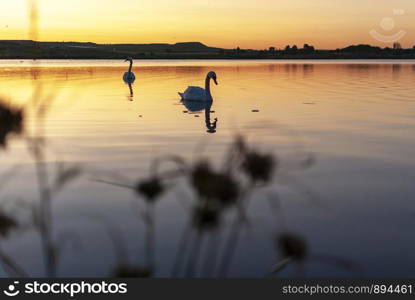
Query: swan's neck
{"x": 131, "y": 67}
{"x": 207, "y": 87}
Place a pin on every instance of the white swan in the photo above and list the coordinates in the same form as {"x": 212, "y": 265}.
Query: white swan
{"x": 195, "y": 93}
{"x": 129, "y": 76}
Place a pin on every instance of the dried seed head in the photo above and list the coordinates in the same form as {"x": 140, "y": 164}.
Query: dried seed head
{"x": 212, "y": 185}
{"x": 205, "y": 219}
{"x": 150, "y": 189}
{"x": 292, "y": 246}
{"x": 258, "y": 167}
{"x": 7, "y": 224}
{"x": 11, "y": 122}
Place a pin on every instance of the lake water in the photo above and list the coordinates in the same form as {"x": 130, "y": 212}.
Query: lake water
{"x": 355, "y": 203}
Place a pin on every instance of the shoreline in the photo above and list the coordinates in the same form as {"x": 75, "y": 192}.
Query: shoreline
{"x": 410, "y": 58}
{"x": 26, "y": 49}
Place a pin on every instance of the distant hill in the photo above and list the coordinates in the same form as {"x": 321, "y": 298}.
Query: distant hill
{"x": 362, "y": 49}
{"x": 31, "y": 49}
{"x": 26, "y": 49}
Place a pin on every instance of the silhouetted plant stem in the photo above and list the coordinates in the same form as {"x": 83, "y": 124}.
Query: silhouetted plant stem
{"x": 229, "y": 250}
{"x": 150, "y": 235}
{"x": 194, "y": 255}
{"x": 181, "y": 251}
{"x": 45, "y": 215}
{"x": 212, "y": 252}
{"x": 120, "y": 250}
{"x": 235, "y": 232}
{"x": 11, "y": 267}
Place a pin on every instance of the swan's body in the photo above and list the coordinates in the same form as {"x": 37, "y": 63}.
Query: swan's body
{"x": 129, "y": 76}
{"x": 195, "y": 93}
{"x": 195, "y": 106}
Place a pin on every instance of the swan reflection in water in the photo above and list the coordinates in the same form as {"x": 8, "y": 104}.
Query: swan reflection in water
{"x": 211, "y": 126}
{"x": 131, "y": 96}
{"x": 197, "y": 106}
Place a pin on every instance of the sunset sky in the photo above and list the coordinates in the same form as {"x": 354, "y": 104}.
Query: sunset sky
{"x": 222, "y": 23}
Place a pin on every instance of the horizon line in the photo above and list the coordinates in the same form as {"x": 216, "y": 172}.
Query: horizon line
{"x": 188, "y": 42}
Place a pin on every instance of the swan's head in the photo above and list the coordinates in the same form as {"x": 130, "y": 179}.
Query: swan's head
{"x": 212, "y": 75}
{"x": 129, "y": 59}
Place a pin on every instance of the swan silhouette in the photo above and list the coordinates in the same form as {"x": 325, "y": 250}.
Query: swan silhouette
{"x": 195, "y": 93}
{"x": 129, "y": 76}
{"x": 200, "y": 101}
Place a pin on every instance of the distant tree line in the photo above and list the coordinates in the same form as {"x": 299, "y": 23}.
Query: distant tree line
{"x": 309, "y": 51}
{"x": 288, "y": 49}
{"x": 25, "y": 49}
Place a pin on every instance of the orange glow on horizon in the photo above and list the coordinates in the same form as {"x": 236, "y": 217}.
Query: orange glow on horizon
{"x": 248, "y": 24}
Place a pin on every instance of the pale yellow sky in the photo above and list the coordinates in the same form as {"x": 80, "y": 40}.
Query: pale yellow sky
{"x": 222, "y": 23}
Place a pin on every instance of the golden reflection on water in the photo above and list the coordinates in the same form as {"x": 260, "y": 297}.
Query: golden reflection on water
{"x": 94, "y": 109}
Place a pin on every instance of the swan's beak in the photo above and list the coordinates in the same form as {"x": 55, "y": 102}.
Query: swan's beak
{"x": 215, "y": 80}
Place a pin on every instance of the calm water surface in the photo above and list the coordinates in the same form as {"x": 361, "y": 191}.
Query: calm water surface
{"x": 356, "y": 117}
